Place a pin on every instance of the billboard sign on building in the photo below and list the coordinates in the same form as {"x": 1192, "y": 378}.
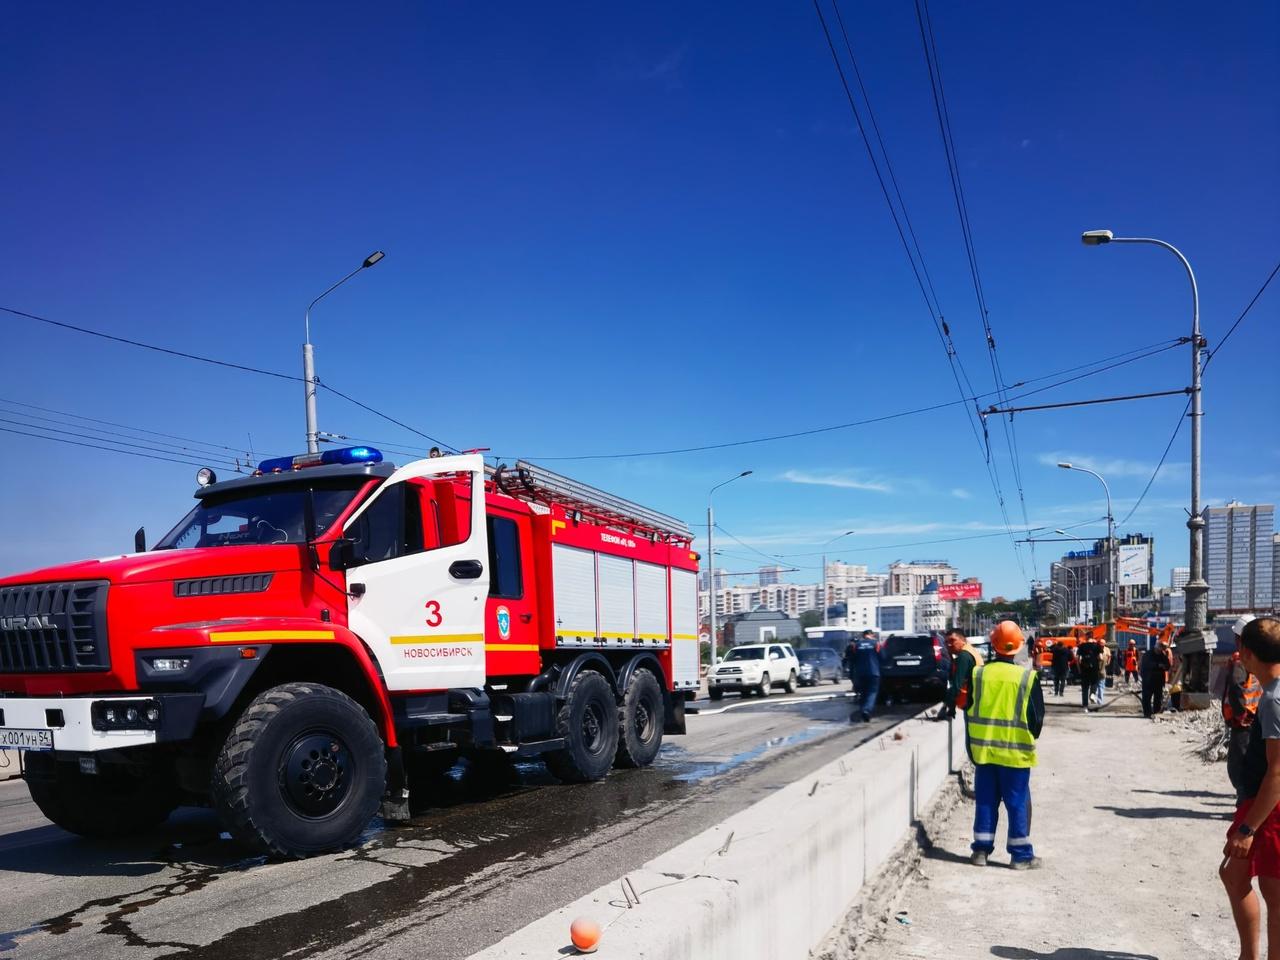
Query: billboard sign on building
{"x": 1133, "y": 561}
{"x": 960, "y": 591}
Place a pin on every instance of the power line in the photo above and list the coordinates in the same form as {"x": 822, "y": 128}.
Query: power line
{"x": 1142, "y": 354}
{"x": 221, "y": 363}
{"x": 1177, "y": 428}
{"x": 151, "y": 346}
{"x": 958, "y": 372}
{"x": 1227, "y": 336}
{"x": 930, "y": 543}
{"x": 1086, "y": 403}
{"x": 187, "y": 445}
{"x": 222, "y": 460}
{"x": 76, "y": 443}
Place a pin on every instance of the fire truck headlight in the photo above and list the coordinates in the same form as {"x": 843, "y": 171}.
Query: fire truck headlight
{"x": 126, "y": 714}
{"x": 205, "y": 476}
{"x": 170, "y": 664}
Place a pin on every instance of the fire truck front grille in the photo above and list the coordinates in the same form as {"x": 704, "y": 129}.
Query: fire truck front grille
{"x": 54, "y": 627}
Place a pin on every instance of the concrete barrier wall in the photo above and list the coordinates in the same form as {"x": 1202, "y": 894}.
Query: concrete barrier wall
{"x": 772, "y": 880}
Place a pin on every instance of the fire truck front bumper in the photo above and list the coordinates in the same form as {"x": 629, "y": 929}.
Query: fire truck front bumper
{"x": 91, "y": 724}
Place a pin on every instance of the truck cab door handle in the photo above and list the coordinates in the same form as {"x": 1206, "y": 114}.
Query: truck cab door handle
{"x": 466, "y": 569}
{"x": 526, "y": 617}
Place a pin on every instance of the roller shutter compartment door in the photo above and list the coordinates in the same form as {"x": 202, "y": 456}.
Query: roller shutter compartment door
{"x": 651, "y": 601}
{"x": 574, "y": 576}
{"x": 617, "y": 598}
{"x": 684, "y": 627}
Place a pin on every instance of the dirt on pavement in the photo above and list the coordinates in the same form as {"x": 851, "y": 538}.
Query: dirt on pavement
{"x": 1130, "y": 824}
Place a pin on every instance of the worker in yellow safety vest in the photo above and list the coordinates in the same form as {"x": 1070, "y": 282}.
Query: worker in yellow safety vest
{"x": 1006, "y": 714}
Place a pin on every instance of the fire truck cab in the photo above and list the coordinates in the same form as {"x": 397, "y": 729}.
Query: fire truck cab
{"x": 308, "y": 639}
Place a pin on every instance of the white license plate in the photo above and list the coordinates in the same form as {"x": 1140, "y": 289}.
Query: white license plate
{"x": 15, "y": 739}
{"x": 908, "y": 663}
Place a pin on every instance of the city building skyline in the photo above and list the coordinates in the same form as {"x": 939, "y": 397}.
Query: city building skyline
{"x": 1240, "y": 556}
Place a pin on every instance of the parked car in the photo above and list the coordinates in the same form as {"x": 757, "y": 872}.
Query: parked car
{"x": 914, "y": 666}
{"x": 755, "y": 667}
{"x": 819, "y": 664}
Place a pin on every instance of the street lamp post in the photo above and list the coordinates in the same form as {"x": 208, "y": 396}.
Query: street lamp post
{"x": 1111, "y": 553}
{"x": 1063, "y": 533}
{"x": 1196, "y": 589}
{"x": 1073, "y": 591}
{"x": 711, "y": 560}
{"x": 309, "y": 358}
{"x": 826, "y": 603}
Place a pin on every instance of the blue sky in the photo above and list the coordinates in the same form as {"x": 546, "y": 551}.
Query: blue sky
{"x": 613, "y": 229}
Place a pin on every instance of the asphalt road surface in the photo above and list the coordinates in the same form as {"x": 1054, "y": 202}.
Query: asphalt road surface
{"x": 484, "y": 855}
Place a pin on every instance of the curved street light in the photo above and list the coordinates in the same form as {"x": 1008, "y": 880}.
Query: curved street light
{"x": 711, "y": 560}
{"x": 1196, "y": 590}
{"x": 1111, "y": 550}
{"x": 309, "y": 359}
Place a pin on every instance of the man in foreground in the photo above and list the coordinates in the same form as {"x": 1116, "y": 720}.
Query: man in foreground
{"x": 1006, "y": 714}
{"x": 1253, "y": 842}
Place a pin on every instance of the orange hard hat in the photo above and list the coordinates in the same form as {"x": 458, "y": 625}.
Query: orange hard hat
{"x": 1006, "y": 637}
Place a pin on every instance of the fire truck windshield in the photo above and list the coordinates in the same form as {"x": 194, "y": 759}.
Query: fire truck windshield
{"x": 273, "y": 514}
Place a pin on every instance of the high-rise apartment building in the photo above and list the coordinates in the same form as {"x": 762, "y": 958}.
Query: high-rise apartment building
{"x": 770, "y": 575}
{"x": 912, "y": 578}
{"x": 1240, "y": 556}
{"x": 1178, "y": 578}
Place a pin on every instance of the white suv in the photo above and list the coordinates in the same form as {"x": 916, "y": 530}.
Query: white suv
{"x": 755, "y": 666}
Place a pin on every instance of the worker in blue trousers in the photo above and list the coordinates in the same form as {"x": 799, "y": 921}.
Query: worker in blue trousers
{"x": 1005, "y": 716}
{"x": 864, "y": 661}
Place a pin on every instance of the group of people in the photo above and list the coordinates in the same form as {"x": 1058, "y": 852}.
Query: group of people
{"x": 1094, "y": 661}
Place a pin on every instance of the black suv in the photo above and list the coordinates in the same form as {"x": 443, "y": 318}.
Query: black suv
{"x": 914, "y": 665}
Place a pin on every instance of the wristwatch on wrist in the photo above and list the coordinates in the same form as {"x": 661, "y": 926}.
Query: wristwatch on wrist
{"x": 1244, "y": 830}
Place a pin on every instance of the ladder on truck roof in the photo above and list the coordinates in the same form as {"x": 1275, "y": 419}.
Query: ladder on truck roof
{"x": 527, "y": 481}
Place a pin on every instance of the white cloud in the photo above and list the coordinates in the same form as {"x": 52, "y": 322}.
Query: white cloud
{"x": 1112, "y": 467}
{"x": 961, "y": 494}
{"x": 843, "y": 481}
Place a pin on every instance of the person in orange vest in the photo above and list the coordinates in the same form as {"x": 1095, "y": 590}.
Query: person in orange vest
{"x": 1130, "y": 664}
{"x": 1239, "y": 708}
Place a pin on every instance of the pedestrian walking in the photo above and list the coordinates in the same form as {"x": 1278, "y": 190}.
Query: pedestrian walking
{"x": 1239, "y": 709}
{"x": 1089, "y": 658}
{"x": 1253, "y": 840}
{"x": 965, "y": 657}
{"x": 866, "y": 675}
{"x": 1130, "y": 664}
{"x": 1154, "y": 669}
{"x": 1061, "y": 655}
{"x": 1005, "y": 717}
{"x": 1105, "y": 657}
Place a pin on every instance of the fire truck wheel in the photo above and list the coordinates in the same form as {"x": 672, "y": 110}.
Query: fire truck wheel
{"x": 640, "y": 718}
{"x": 790, "y": 685}
{"x": 588, "y": 722}
{"x": 112, "y": 803}
{"x": 766, "y": 686}
{"x": 301, "y": 772}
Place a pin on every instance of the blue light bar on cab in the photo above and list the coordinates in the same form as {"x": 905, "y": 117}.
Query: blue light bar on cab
{"x": 341, "y": 455}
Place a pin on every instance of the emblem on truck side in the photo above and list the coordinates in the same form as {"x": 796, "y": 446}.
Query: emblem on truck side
{"x": 504, "y": 623}
{"x": 42, "y": 622}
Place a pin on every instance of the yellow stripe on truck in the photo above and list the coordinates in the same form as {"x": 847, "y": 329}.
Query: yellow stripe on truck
{"x": 511, "y": 647}
{"x": 262, "y": 636}
{"x": 442, "y": 638}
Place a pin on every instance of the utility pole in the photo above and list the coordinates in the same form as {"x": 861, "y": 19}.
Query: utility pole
{"x": 711, "y": 561}
{"x": 1196, "y": 590}
{"x": 309, "y": 357}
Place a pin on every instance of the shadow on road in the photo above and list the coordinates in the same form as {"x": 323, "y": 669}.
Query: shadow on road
{"x": 1068, "y": 953}
{"x": 1164, "y": 813}
{"x": 1191, "y": 794}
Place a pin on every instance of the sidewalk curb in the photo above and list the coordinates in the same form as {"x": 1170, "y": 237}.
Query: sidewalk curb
{"x": 773, "y": 880}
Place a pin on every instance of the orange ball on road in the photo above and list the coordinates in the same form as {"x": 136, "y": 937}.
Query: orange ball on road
{"x": 585, "y": 934}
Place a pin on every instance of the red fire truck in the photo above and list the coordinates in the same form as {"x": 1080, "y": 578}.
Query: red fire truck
{"x": 309, "y": 636}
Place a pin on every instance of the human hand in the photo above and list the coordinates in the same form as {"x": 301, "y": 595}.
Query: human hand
{"x": 1237, "y": 846}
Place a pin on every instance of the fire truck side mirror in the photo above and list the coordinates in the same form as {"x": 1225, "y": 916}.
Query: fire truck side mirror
{"x": 342, "y": 555}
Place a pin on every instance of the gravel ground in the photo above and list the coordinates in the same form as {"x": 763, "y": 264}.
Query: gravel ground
{"x": 1129, "y": 823}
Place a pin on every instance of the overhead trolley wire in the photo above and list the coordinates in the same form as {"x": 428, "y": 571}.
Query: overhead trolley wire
{"x": 929, "y": 46}
{"x": 958, "y": 372}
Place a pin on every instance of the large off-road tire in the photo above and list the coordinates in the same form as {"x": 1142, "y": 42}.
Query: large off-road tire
{"x": 715, "y": 693}
{"x": 300, "y": 773}
{"x": 640, "y": 720}
{"x": 790, "y": 685}
{"x": 588, "y": 722}
{"x": 115, "y": 802}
